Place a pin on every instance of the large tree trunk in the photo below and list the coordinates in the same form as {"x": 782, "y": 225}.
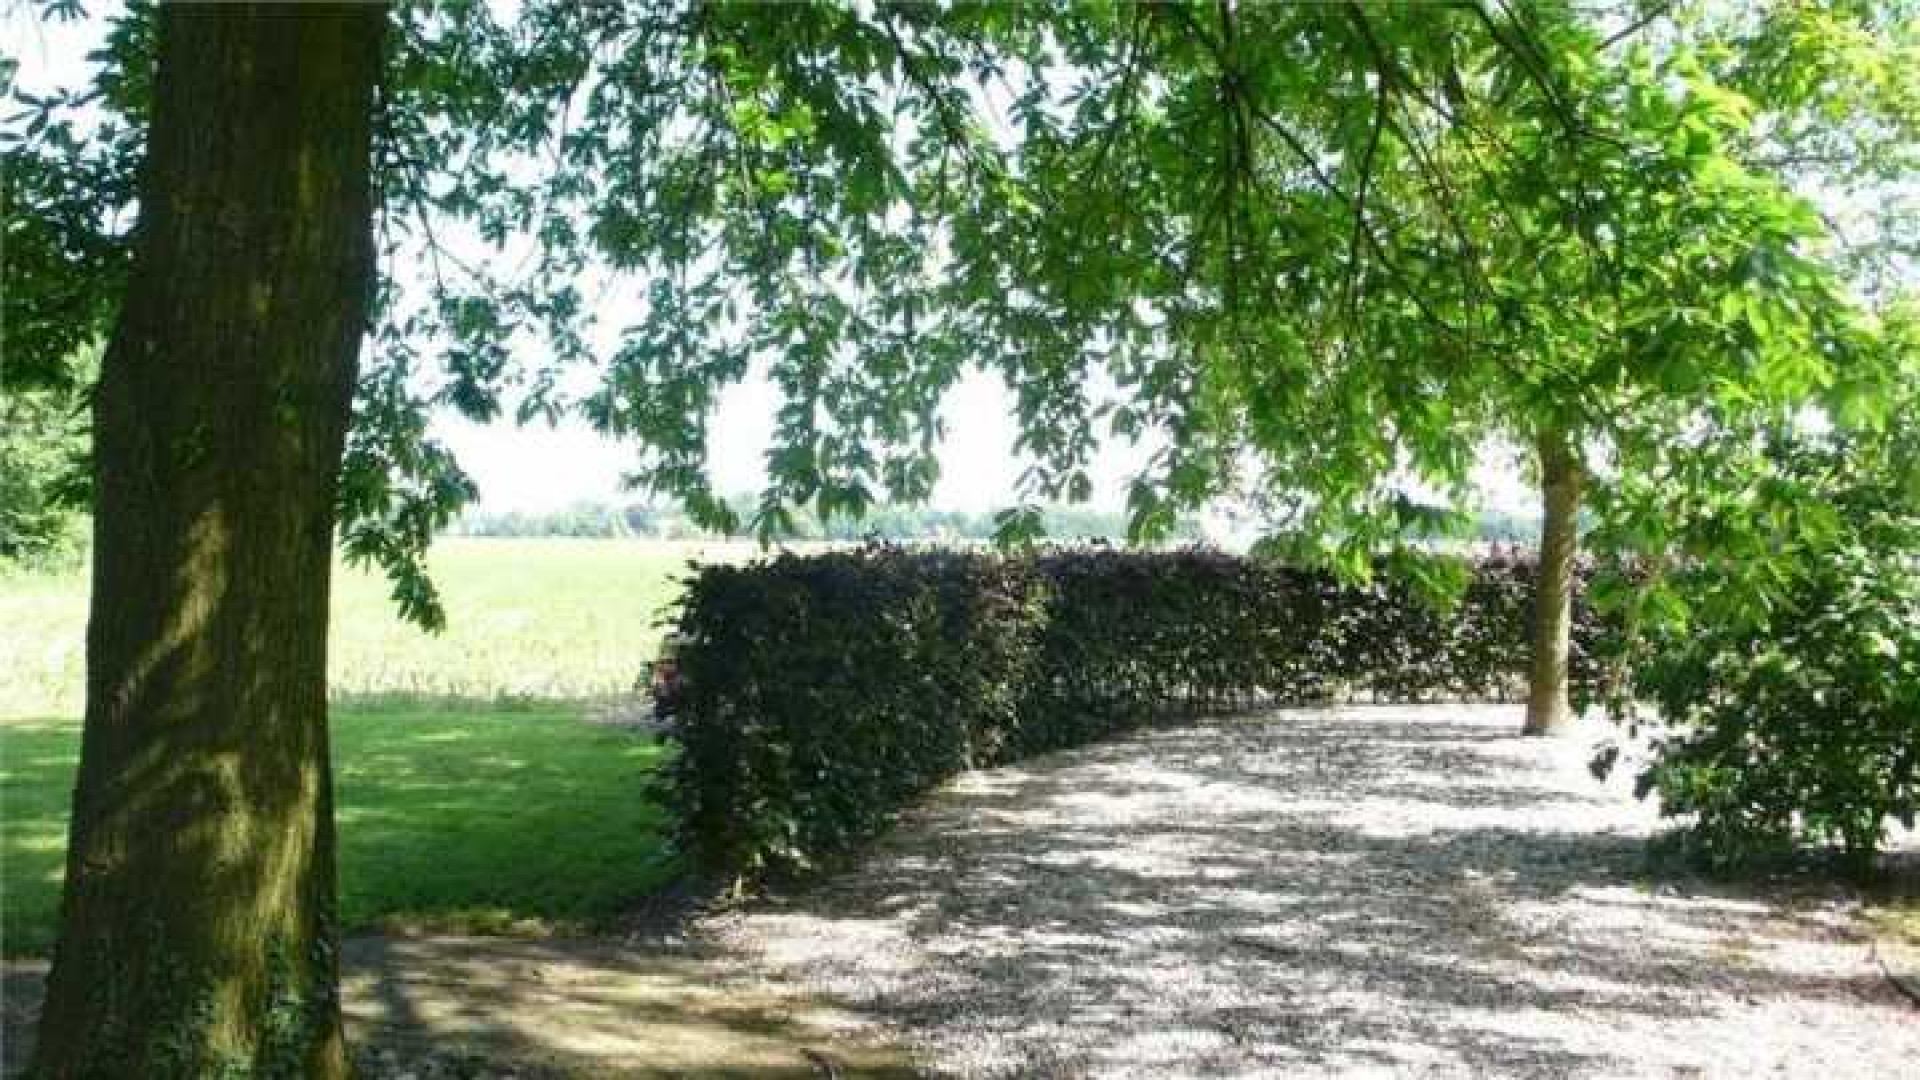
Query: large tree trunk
{"x": 1548, "y": 708}
{"x": 197, "y": 929}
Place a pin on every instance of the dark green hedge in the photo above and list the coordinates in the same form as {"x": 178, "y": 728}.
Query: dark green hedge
{"x": 820, "y": 694}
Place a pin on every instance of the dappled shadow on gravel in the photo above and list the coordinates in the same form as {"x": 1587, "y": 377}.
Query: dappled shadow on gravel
{"x": 442, "y": 1007}
{"x": 1409, "y": 891}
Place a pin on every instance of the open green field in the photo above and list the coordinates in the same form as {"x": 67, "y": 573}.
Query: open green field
{"x": 473, "y": 791}
{"x": 526, "y": 619}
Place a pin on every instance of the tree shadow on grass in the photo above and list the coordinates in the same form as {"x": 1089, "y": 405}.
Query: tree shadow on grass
{"x": 448, "y": 818}
{"x": 37, "y": 761}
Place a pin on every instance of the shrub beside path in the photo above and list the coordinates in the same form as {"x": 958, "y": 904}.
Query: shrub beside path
{"x": 1343, "y": 892}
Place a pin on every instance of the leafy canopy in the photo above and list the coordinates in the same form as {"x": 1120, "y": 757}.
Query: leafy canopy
{"x": 1314, "y": 249}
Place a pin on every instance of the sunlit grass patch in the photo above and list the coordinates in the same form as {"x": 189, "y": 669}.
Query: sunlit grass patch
{"x": 527, "y": 621}
{"x": 475, "y": 821}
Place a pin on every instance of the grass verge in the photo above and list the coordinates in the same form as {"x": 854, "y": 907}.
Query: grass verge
{"x": 475, "y": 821}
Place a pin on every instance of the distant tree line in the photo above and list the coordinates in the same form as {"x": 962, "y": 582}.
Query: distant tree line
{"x": 589, "y": 518}
{"x": 1507, "y": 528}
{"x": 43, "y": 508}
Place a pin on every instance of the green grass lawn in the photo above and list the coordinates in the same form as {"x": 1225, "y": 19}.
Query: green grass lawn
{"x": 471, "y": 794}
{"x": 474, "y": 821}
{"x": 526, "y": 620}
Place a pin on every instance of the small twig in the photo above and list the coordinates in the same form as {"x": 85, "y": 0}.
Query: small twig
{"x": 1638, "y": 25}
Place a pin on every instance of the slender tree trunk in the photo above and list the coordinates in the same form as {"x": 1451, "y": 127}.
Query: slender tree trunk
{"x": 197, "y": 929}
{"x": 1548, "y": 708}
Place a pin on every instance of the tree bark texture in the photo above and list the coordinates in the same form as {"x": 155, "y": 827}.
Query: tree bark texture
{"x": 197, "y": 929}
{"x": 1549, "y": 710}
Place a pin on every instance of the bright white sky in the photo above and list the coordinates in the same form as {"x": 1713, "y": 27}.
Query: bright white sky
{"x": 539, "y": 467}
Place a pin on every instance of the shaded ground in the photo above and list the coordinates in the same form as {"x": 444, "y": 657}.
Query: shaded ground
{"x": 1359, "y": 891}
{"x": 1350, "y": 892}
{"x": 437, "y": 1007}
{"x": 592, "y": 1008}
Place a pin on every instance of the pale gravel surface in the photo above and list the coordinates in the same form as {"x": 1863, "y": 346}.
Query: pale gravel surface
{"x": 1344, "y": 892}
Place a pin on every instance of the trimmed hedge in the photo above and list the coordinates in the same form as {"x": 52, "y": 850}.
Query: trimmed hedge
{"x": 820, "y": 694}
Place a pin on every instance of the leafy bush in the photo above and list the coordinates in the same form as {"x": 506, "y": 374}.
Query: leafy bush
{"x": 818, "y": 695}
{"x": 1788, "y": 683}
{"x": 43, "y": 475}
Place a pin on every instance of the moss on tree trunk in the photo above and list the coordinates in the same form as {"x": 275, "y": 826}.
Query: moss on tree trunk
{"x": 196, "y": 933}
{"x": 1549, "y": 710}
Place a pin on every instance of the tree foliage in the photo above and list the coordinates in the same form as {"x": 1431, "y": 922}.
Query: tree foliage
{"x": 1319, "y": 252}
{"x": 1776, "y": 654}
{"x": 1318, "y": 249}
{"x": 43, "y": 486}
{"x": 1323, "y": 249}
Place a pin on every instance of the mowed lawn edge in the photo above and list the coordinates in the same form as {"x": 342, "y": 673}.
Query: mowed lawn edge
{"x": 475, "y": 820}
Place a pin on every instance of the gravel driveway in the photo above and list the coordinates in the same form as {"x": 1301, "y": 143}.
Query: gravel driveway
{"x": 1344, "y": 892}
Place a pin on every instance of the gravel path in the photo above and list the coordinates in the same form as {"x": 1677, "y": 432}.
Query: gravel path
{"x": 1346, "y": 892}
